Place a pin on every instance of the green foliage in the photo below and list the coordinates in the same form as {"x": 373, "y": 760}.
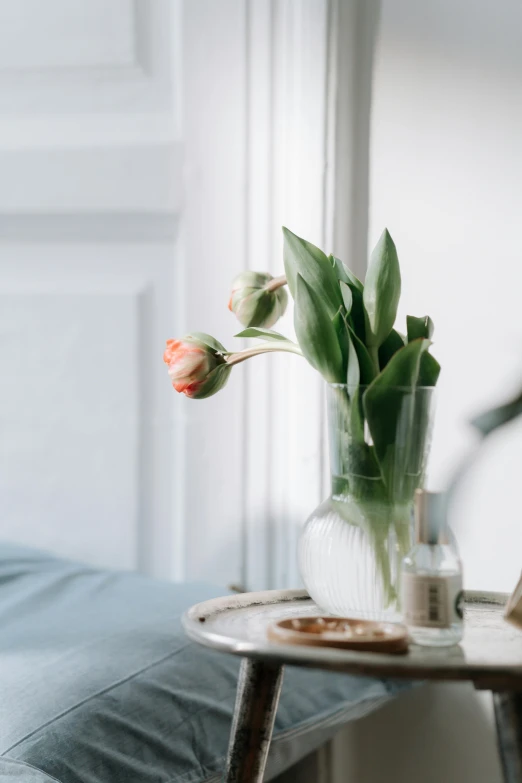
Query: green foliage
{"x": 346, "y": 293}
{"x": 353, "y": 373}
{"x": 382, "y": 290}
{"x": 419, "y": 327}
{"x": 389, "y": 407}
{"x": 344, "y": 275}
{"x": 303, "y": 259}
{"x": 316, "y": 333}
{"x": 273, "y": 340}
{"x": 429, "y": 370}
{"x": 262, "y": 334}
{"x": 393, "y": 343}
{"x": 367, "y": 367}
{"x": 345, "y": 330}
{"x": 339, "y": 324}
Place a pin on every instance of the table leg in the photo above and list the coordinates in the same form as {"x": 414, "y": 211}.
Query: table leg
{"x": 258, "y": 692}
{"x": 508, "y": 718}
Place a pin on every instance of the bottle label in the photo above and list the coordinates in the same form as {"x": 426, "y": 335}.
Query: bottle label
{"x": 432, "y": 601}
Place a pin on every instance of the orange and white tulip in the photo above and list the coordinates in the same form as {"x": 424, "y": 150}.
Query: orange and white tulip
{"x": 196, "y": 368}
{"x": 199, "y": 366}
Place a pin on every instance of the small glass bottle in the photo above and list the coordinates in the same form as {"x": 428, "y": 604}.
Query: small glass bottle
{"x": 431, "y": 580}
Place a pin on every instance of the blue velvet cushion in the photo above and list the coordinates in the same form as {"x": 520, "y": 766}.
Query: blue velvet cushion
{"x": 99, "y": 684}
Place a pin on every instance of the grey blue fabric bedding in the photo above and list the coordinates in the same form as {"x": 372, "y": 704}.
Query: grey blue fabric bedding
{"x": 99, "y": 684}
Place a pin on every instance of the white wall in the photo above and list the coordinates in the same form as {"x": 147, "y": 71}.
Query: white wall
{"x": 446, "y": 161}
{"x": 440, "y": 733}
{"x": 446, "y": 168}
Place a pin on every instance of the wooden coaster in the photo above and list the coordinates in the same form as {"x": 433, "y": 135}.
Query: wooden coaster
{"x": 344, "y": 632}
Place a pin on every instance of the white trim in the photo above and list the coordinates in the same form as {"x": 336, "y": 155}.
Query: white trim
{"x": 283, "y": 422}
{"x": 354, "y": 35}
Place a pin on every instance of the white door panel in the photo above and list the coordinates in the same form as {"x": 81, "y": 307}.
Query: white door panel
{"x": 86, "y": 457}
{"x": 69, "y": 419}
{"x": 69, "y": 33}
{"x": 90, "y": 196}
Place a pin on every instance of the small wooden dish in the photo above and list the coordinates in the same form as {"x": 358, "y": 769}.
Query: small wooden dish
{"x": 345, "y": 632}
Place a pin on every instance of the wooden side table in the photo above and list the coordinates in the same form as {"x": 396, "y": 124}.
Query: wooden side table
{"x": 490, "y": 656}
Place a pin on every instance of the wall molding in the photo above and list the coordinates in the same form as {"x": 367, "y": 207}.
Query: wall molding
{"x": 121, "y": 69}
{"x": 111, "y": 178}
{"x": 141, "y": 18}
{"x": 103, "y": 227}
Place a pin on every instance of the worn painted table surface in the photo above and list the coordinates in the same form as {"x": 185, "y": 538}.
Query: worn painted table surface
{"x": 490, "y": 654}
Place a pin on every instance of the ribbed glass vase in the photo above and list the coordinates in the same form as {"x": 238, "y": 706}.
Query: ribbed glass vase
{"x": 351, "y": 548}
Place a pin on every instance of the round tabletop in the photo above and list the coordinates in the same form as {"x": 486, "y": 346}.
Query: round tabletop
{"x": 490, "y": 653}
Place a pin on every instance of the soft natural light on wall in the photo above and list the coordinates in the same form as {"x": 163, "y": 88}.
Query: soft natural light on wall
{"x": 446, "y": 180}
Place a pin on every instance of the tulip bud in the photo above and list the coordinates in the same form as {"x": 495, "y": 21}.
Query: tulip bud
{"x": 255, "y": 302}
{"x": 196, "y": 365}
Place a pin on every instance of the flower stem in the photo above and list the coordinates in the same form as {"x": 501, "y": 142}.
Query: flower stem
{"x": 374, "y": 354}
{"x": 276, "y": 283}
{"x": 241, "y": 356}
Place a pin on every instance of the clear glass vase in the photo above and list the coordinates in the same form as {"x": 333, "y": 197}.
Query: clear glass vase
{"x": 351, "y": 548}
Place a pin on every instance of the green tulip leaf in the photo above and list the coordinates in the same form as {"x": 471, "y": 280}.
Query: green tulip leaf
{"x": 419, "y": 327}
{"x": 346, "y": 293}
{"x": 344, "y": 275}
{"x": 366, "y": 366}
{"x": 357, "y": 420}
{"x": 354, "y": 466}
{"x": 353, "y": 374}
{"x": 272, "y": 346}
{"x": 347, "y": 280}
{"x": 389, "y": 407}
{"x": 382, "y": 290}
{"x": 393, "y": 343}
{"x": 339, "y": 324}
{"x": 429, "y": 370}
{"x": 262, "y": 334}
{"x": 362, "y": 476}
{"x": 497, "y": 417}
{"x": 316, "y": 333}
{"x": 301, "y": 258}
{"x": 357, "y": 317}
